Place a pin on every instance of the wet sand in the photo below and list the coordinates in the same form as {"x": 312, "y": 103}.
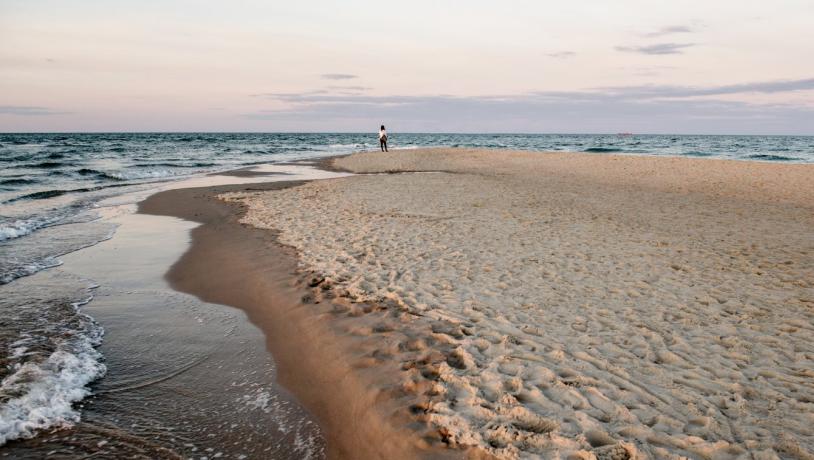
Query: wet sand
{"x": 573, "y": 305}
{"x": 337, "y": 376}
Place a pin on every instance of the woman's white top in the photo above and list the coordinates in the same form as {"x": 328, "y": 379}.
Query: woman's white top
{"x": 382, "y": 134}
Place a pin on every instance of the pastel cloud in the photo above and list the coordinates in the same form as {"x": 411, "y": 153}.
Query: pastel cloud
{"x": 657, "y": 49}
{"x": 669, "y": 30}
{"x": 29, "y": 111}
{"x": 632, "y": 108}
{"x": 338, "y": 76}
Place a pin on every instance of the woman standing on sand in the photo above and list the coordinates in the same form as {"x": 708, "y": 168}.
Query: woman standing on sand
{"x": 383, "y": 139}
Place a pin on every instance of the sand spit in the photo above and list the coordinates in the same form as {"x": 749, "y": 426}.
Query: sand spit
{"x": 573, "y": 305}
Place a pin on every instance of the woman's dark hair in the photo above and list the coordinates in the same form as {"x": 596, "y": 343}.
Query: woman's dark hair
{"x": 382, "y": 126}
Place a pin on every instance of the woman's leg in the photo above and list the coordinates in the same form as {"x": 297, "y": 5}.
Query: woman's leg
{"x": 381, "y": 144}
{"x": 385, "y": 146}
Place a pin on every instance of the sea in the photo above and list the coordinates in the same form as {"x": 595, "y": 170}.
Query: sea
{"x": 52, "y": 187}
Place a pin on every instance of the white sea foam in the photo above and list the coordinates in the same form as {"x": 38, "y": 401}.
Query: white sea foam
{"x": 29, "y": 269}
{"x": 307, "y": 442}
{"x": 29, "y": 261}
{"x": 46, "y": 391}
{"x": 349, "y": 147}
{"x": 154, "y": 174}
{"x": 21, "y": 227}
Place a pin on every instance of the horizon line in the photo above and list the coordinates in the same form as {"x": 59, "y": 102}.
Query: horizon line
{"x": 500, "y": 133}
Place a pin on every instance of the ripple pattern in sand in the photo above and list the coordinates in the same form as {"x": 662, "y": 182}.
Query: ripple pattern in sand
{"x": 579, "y": 319}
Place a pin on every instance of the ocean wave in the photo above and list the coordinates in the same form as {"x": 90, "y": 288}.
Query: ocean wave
{"x": 156, "y": 174}
{"x": 695, "y": 153}
{"x": 88, "y": 172}
{"x": 47, "y": 240}
{"x": 176, "y": 165}
{"x": 21, "y": 227}
{"x": 96, "y": 173}
{"x": 17, "y": 181}
{"x": 345, "y": 146}
{"x": 768, "y": 157}
{"x": 16, "y": 158}
{"x": 45, "y": 194}
{"x": 40, "y": 395}
{"x": 602, "y": 149}
{"x": 29, "y": 269}
{"x": 46, "y": 165}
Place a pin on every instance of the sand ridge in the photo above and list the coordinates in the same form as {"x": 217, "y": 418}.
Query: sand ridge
{"x": 579, "y": 306}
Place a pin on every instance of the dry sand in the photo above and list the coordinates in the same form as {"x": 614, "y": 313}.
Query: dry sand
{"x": 574, "y": 305}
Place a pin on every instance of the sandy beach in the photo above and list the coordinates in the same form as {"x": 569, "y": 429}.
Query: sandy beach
{"x": 407, "y": 231}
{"x": 517, "y": 305}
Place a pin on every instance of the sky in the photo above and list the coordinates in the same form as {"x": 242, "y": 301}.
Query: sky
{"x": 583, "y": 66}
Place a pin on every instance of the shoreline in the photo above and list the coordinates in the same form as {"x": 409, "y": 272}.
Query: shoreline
{"x": 374, "y": 370}
{"x": 204, "y": 378}
{"x": 183, "y": 377}
{"x": 233, "y": 264}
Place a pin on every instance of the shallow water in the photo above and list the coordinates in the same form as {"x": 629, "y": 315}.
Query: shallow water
{"x": 184, "y": 378}
{"x": 104, "y": 358}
